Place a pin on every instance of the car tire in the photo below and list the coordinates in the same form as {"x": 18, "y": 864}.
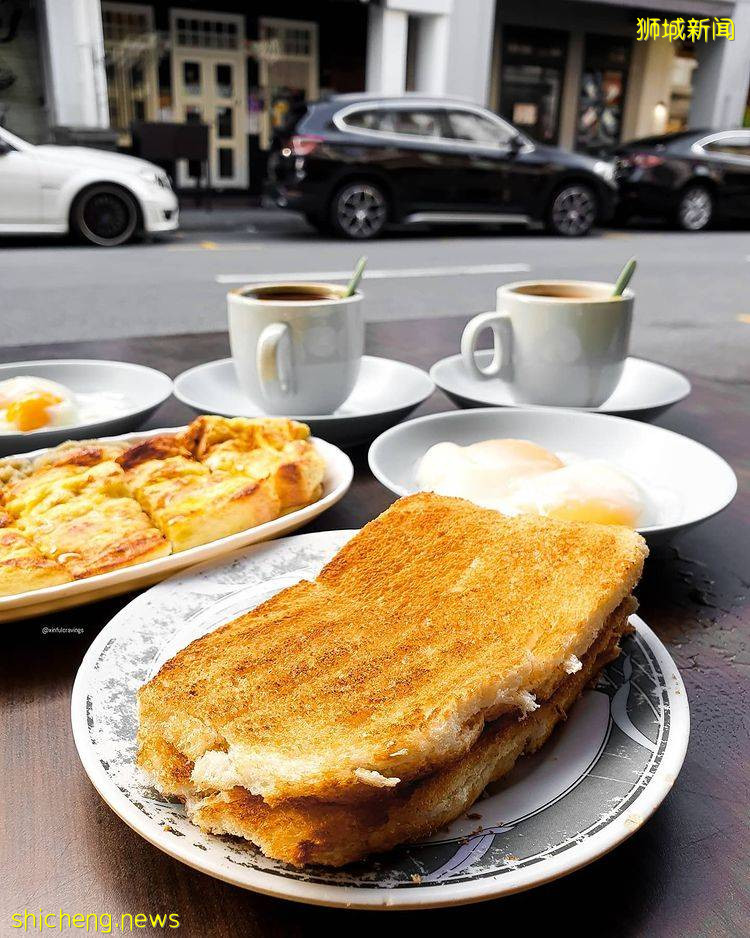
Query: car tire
{"x": 695, "y": 210}
{"x": 105, "y": 215}
{"x": 359, "y": 210}
{"x": 572, "y": 210}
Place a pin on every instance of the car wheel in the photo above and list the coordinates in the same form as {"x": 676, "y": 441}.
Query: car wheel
{"x": 359, "y": 210}
{"x": 695, "y": 209}
{"x": 105, "y": 215}
{"x": 573, "y": 210}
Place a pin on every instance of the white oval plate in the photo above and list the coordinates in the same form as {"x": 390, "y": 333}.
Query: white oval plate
{"x": 386, "y": 392}
{"x": 646, "y": 389}
{"x": 684, "y": 482}
{"x": 143, "y": 390}
{"x": 602, "y": 774}
{"x": 338, "y": 478}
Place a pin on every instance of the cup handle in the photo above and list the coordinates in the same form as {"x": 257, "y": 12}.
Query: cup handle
{"x": 500, "y": 326}
{"x": 273, "y": 359}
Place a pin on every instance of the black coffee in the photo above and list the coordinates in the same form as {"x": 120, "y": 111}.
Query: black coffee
{"x": 293, "y": 293}
{"x": 293, "y": 296}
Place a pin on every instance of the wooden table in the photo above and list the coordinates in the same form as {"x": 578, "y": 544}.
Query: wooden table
{"x": 684, "y": 873}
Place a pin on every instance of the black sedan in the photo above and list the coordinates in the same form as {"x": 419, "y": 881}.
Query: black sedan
{"x": 353, "y": 163}
{"x": 691, "y": 177}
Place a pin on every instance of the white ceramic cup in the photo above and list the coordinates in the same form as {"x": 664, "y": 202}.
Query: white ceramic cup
{"x": 558, "y": 342}
{"x": 298, "y": 356}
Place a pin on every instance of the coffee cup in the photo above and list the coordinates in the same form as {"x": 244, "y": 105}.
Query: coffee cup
{"x": 557, "y": 342}
{"x": 297, "y": 347}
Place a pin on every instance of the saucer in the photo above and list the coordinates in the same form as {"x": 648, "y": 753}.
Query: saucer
{"x": 385, "y": 392}
{"x": 645, "y": 390}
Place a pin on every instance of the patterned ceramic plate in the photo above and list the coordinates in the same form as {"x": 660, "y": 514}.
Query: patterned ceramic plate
{"x": 598, "y": 779}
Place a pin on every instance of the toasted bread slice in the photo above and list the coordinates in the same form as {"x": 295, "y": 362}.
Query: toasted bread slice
{"x": 189, "y": 502}
{"x": 436, "y": 618}
{"x": 22, "y": 566}
{"x": 306, "y": 831}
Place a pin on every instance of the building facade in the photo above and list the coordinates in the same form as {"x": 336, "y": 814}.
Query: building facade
{"x": 570, "y": 72}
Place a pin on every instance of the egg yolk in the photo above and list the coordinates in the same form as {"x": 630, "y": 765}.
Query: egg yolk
{"x": 594, "y": 511}
{"x": 30, "y": 412}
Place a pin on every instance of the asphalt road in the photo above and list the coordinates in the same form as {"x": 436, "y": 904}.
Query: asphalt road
{"x": 693, "y": 291}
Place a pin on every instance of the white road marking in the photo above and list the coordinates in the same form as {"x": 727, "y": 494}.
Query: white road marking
{"x": 396, "y": 273}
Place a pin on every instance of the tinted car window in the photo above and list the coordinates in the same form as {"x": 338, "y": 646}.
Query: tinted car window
{"x": 419, "y": 123}
{"x": 473, "y": 128}
{"x": 398, "y": 121}
{"x": 367, "y": 120}
{"x": 730, "y": 146}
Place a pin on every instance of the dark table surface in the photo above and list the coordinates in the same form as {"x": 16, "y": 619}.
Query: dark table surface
{"x": 684, "y": 873}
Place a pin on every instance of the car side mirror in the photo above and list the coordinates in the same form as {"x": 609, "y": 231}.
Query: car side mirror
{"x": 4, "y": 147}
{"x": 514, "y": 145}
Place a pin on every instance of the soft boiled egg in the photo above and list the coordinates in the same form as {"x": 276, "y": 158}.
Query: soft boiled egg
{"x": 521, "y": 477}
{"x": 589, "y": 490}
{"x": 30, "y": 403}
{"x": 484, "y": 472}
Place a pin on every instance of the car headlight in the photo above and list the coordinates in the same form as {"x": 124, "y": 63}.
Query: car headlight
{"x": 605, "y": 170}
{"x": 156, "y": 178}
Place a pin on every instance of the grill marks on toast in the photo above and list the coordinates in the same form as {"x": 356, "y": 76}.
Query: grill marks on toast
{"x": 303, "y": 831}
{"x": 435, "y": 618}
{"x": 92, "y": 506}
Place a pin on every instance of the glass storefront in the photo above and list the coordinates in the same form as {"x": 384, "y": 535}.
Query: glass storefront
{"x": 239, "y": 72}
{"x": 532, "y": 70}
{"x": 600, "y": 107}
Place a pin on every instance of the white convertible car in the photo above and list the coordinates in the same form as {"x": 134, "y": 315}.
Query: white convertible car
{"x": 104, "y": 198}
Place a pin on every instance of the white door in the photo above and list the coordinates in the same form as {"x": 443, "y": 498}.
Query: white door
{"x": 20, "y": 188}
{"x": 209, "y": 85}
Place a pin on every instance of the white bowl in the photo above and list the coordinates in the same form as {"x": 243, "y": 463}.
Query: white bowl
{"x": 684, "y": 481}
{"x": 142, "y": 388}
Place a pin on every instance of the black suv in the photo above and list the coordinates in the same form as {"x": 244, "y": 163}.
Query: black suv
{"x": 353, "y": 163}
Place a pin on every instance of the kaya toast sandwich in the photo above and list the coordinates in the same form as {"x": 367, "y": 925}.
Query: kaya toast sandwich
{"x": 373, "y": 705}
